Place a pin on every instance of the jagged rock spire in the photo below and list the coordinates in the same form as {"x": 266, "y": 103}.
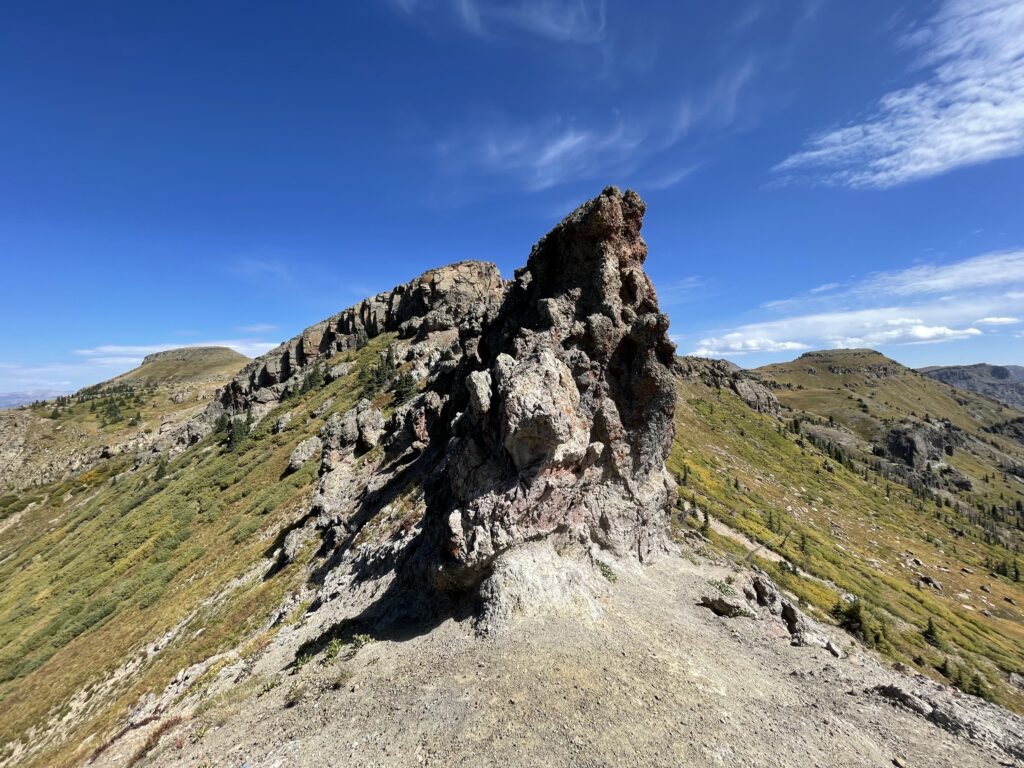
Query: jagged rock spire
{"x": 566, "y": 414}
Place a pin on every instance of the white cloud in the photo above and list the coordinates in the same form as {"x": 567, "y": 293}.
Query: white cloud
{"x": 997, "y": 321}
{"x": 741, "y": 344}
{"x": 546, "y": 154}
{"x": 924, "y": 304}
{"x": 966, "y": 108}
{"x": 825, "y": 287}
{"x": 667, "y": 180}
{"x": 985, "y": 271}
{"x": 907, "y": 333}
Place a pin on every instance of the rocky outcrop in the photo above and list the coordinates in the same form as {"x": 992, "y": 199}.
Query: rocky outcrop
{"x": 968, "y": 717}
{"x": 917, "y": 445}
{"x": 303, "y": 452}
{"x": 722, "y": 374}
{"x": 562, "y": 415}
{"x": 450, "y": 297}
{"x": 542, "y": 414}
{"x": 424, "y": 313}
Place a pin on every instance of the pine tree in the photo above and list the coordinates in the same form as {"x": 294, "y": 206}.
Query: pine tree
{"x": 931, "y": 635}
{"x": 314, "y": 380}
{"x": 223, "y": 423}
{"x": 238, "y": 431}
{"x": 405, "y": 387}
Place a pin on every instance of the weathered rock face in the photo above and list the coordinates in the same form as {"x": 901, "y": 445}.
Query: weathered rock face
{"x": 721, "y": 374}
{"x": 563, "y": 417}
{"x": 304, "y": 451}
{"x": 917, "y": 445}
{"x": 544, "y": 416}
{"x": 449, "y": 297}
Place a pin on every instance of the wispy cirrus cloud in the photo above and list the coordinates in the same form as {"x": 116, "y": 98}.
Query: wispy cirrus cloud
{"x": 923, "y": 304}
{"x": 563, "y": 21}
{"x": 984, "y": 271}
{"x": 257, "y": 328}
{"x": 966, "y": 108}
{"x": 680, "y": 291}
{"x": 260, "y": 269}
{"x": 554, "y": 150}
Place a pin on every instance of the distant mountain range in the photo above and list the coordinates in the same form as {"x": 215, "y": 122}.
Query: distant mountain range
{"x": 1002, "y": 382}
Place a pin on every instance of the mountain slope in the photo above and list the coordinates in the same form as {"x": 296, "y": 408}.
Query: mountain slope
{"x": 445, "y": 519}
{"x": 1000, "y": 382}
{"x": 55, "y": 439}
{"x": 184, "y": 365}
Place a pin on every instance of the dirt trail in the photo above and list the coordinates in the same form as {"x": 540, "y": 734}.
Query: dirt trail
{"x": 654, "y": 681}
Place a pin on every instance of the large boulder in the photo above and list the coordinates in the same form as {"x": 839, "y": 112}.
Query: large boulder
{"x": 304, "y": 451}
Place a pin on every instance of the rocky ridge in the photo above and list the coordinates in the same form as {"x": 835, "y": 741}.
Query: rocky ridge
{"x": 544, "y": 415}
{"x": 1001, "y": 382}
{"x": 723, "y": 374}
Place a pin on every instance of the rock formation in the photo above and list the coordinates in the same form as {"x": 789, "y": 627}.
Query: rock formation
{"x": 546, "y": 410}
{"x": 451, "y": 297}
{"x": 723, "y": 374}
{"x": 565, "y": 414}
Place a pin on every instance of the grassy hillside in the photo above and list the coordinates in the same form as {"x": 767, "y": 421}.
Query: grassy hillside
{"x": 804, "y": 488}
{"x": 871, "y": 396}
{"x": 51, "y": 439}
{"x": 187, "y": 364}
{"x": 98, "y": 567}
{"x": 864, "y": 389}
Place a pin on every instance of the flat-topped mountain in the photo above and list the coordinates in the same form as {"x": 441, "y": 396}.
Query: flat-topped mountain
{"x": 63, "y": 436}
{"x": 1000, "y": 382}
{"x": 868, "y": 389}
{"x": 185, "y": 365}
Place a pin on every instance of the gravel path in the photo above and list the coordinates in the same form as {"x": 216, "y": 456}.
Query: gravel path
{"x": 654, "y": 681}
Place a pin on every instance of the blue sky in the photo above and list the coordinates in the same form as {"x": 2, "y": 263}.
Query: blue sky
{"x": 818, "y": 173}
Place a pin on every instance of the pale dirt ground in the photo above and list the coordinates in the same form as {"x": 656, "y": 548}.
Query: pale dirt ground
{"x": 654, "y": 680}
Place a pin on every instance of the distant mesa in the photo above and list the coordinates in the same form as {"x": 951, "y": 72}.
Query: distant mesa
{"x": 184, "y": 365}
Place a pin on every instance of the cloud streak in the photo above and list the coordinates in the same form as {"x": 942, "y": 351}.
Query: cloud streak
{"x": 560, "y": 21}
{"x": 924, "y": 304}
{"x": 555, "y": 150}
{"x": 966, "y": 108}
